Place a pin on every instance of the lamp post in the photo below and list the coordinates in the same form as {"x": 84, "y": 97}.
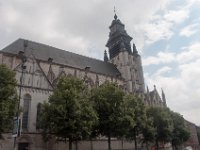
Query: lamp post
{"x": 23, "y": 68}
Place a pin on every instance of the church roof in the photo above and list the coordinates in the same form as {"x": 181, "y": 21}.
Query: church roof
{"x": 44, "y": 52}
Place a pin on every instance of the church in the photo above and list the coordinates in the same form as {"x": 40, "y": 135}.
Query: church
{"x": 38, "y": 68}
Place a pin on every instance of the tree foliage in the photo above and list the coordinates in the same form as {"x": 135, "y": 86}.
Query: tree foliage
{"x": 69, "y": 114}
{"x": 138, "y": 110}
{"x": 108, "y": 102}
{"x": 180, "y": 132}
{"x": 148, "y": 132}
{"x": 74, "y": 112}
{"x": 8, "y": 98}
{"x": 162, "y": 123}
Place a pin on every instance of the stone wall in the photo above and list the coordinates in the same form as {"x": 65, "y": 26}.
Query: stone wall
{"x": 36, "y": 143}
{"x": 130, "y": 68}
{"x": 193, "y": 140}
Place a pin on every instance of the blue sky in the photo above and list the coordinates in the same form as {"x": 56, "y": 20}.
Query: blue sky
{"x": 166, "y": 33}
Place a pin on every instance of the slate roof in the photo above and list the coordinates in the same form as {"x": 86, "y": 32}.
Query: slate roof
{"x": 44, "y": 52}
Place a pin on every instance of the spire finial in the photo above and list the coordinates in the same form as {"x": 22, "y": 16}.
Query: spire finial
{"x": 147, "y": 89}
{"x": 154, "y": 87}
{"x": 134, "y": 49}
{"x": 105, "y": 56}
{"x": 163, "y": 98}
{"x": 163, "y": 94}
{"x": 115, "y": 16}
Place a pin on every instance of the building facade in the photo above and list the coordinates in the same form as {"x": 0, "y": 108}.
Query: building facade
{"x": 40, "y": 66}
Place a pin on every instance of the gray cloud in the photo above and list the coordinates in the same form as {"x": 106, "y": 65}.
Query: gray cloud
{"x": 79, "y": 26}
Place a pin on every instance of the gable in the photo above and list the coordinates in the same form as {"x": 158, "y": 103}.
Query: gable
{"x": 33, "y": 75}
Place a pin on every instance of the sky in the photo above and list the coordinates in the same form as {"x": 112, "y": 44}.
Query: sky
{"x": 166, "y": 34}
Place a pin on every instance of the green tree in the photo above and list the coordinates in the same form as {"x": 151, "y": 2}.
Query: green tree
{"x": 148, "y": 132}
{"x": 180, "y": 132}
{"x": 68, "y": 115}
{"x": 8, "y": 98}
{"x": 108, "y": 102}
{"x": 137, "y": 108}
{"x": 162, "y": 123}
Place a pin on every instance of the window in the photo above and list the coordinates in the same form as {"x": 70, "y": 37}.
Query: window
{"x": 39, "y": 107}
{"x": 26, "y": 106}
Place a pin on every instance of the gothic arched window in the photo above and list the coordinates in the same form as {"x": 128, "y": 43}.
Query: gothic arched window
{"x": 26, "y": 106}
{"x": 39, "y": 107}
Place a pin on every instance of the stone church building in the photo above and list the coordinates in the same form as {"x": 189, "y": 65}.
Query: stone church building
{"x": 38, "y": 68}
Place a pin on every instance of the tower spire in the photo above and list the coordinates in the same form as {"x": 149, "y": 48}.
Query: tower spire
{"x": 115, "y": 16}
{"x": 105, "y": 56}
{"x": 118, "y": 38}
{"x": 154, "y": 87}
{"x": 135, "y": 49}
{"x": 147, "y": 89}
{"x": 163, "y": 97}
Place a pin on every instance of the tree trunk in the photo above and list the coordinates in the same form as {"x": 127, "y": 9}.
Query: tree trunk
{"x": 76, "y": 145}
{"x": 135, "y": 139}
{"x": 147, "y": 145}
{"x": 156, "y": 145}
{"x": 122, "y": 143}
{"x": 70, "y": 144}
{"x": 91, "y": 144}
{"x": 176, "y": 147}
{"x": 109, "y": 143}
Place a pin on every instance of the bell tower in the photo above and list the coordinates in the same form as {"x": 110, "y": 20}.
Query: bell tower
{"x": 126, "y": 59}
{"x": 118, "y": 40}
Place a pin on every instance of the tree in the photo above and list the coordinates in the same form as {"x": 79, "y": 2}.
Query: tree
{"x": 8, "y": 98}
{"x": 136, "y": 106}
{"x": 162, "y": 123}
{"x": 148, "y": 132}
{"x": 108, "y": 102}
{"x": 180, "y": 132}
{"x": 68, "y": 115}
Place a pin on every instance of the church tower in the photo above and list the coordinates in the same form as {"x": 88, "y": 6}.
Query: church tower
{"x": 126, "y": 59}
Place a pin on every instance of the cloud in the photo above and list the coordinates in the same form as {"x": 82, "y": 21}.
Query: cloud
{"x": 160, "y": 58}
{"x": 192, "y": 2}
{"x": 58, "y": 24}
{"x": 183, "y": 90}
{"x": 160, "y": 26}
{"x": 164, "y": 70}
{"x": 158, "y": 30}
{"x": 190, "y": 53}
{"x": 177, "y": 16}
{"x": 190, "y": 30}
